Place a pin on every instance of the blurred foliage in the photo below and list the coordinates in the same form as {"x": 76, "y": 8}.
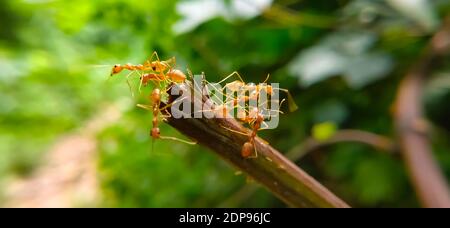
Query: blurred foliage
{"x": 324, "y": 131}
{"x": 342, "y": 60}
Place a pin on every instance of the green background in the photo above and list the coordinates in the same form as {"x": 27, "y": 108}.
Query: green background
{"x": 341, "y": 60}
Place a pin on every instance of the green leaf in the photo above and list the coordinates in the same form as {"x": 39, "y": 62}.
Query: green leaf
{"x": 342, "y": 53}
{"x": 324, "y": 131}
{"x": 420, "y": 11}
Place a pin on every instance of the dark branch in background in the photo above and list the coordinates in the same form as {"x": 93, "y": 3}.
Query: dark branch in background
{"x": 271, "y": 169}
{"x": 430, "y": 184}
{"x": 309, "y": 145}
{"x": 380, "y": 142}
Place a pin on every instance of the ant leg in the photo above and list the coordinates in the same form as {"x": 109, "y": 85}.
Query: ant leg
{"x": 191, "y": 79}
{"x": 140, "y": 83}
{"x": 267, "y": 79}
{"x": 255, "y": 153}
{"x": 235, "y": 131}
{"x": 171, "y": 62}
{"x": 219, "y": 92}
{"x": 144, "y": 106}
{"x": 279, "y": 107}
{"x": 266, "y": 127}
{"x": 215, "y": 89}
{"x": 230, "y": 75}
{"x": 128, "y": 82}
{"x": 141, "y": 80}
{"x": 164, "y": 79}
{"x": 291, "y": 102}
{"x": 164, "y": 117}
{"x": 149, "y": 61}
{"x": 167, "y": 106}
{"x": 271, "y": 110}
{"x": 157, "y": 57}
{"x": 179, "y": 140}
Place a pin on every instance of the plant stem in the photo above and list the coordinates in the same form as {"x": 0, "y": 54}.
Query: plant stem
{"x": 430, "y": 184}
{"x": 271, "y": 169}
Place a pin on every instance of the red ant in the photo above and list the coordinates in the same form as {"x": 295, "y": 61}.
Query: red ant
{"x": 249, "y": 149}
{"x": 238, "y": 85}
{"x": 156, "y": 66}
{"x": 161, "y": 71}
{"x": 254, "y": 120}
{"x": 173, "y": 75}
{"x": 155, "y": 133}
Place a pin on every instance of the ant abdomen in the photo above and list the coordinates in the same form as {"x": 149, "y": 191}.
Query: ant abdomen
{"x": 176, "y": 75}
{"x": 247, "y": 149}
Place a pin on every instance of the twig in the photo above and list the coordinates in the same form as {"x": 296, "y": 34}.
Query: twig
{"x": 275, "y": 172}
{"x": 349, "y": 135}
{"x": 311, "y": 144}
{"x": 430, "y": 184}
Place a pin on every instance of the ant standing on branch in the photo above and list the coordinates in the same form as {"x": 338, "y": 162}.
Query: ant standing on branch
{"x": 161, "y": 73}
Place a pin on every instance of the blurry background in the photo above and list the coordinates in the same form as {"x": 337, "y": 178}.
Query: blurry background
{"x": 72, "y": 136}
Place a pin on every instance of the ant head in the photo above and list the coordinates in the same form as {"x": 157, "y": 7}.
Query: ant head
{"x": 155, "y": 133}
{"x": 116, "y": 69}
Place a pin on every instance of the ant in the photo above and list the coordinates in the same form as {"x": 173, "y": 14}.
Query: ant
{"x": 173, "y": 75}
{"x": 255, "y": 120}
{"x": 156, "y": 66}
{"x": 155, "y": 133}
{"x": 249, "y": 147}
{"x": 237, "y": 85}
{"x": 162, "y": 70}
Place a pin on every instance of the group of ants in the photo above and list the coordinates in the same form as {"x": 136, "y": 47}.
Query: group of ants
{"x": 163, "y": 72}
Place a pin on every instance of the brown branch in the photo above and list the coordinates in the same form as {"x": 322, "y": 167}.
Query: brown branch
{"x": 430, "y": 184}
{"x": 348, "y": 135}
{"x": 271, "y": 169}
{"x": 311, "y": 144}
